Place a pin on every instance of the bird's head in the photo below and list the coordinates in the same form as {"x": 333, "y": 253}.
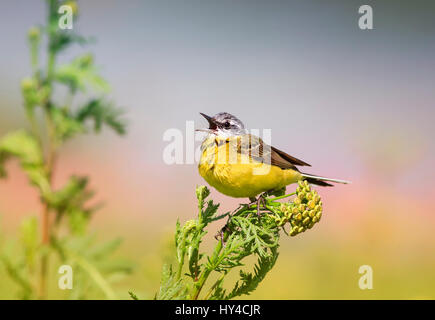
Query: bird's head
{"x": 224, "y": 125}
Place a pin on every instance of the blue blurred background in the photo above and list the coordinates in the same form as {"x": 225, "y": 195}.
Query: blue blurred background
{"x": 355, "y": 104}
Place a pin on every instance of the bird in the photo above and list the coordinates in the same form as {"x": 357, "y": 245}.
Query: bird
{"x": 241, "y": 165}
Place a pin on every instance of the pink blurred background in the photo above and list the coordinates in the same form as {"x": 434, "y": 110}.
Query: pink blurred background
{"x": 356, "y": 105}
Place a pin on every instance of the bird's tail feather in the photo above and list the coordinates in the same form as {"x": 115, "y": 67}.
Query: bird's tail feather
{"x": 321, "y": 181}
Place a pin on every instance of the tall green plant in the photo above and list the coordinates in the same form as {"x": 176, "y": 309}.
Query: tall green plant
{"x": 61, "y": 228}
{"x": 245, "y": 234}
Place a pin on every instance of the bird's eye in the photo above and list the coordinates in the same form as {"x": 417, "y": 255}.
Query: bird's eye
{"x": 227, "y": 125}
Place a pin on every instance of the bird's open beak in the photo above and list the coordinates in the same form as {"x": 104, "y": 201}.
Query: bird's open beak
{"x": 212, "y": 124}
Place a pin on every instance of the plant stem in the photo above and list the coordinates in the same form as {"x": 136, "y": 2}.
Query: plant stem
{"x": 209, "y": 268}
{"x": 282, "y": 197}
{"x": 96, "y": 276}
{"x": 50, "y": 161}
{"x": 45, "y": 223}
{"x": 205, "y": 274}
{"x": 214, "y": 286}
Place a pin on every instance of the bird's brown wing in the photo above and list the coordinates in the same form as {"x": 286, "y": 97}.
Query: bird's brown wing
{"x": 289, "y": 158}
{"x": 261, "y": 152}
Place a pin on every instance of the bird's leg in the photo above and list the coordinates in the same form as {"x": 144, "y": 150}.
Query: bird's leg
{"x": 220, "y": 234}
{"x": 258, "y": 201}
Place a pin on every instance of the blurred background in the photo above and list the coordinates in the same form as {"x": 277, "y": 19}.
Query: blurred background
{"x": 355, "y": 104}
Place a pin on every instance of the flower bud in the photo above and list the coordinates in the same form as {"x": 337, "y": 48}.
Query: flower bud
{"x": 306, "y": 209}
{"x": 34, "y": 34}
{"x": 73, "y": 5}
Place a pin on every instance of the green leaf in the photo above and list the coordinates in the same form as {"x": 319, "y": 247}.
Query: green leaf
{"x": 77, "y": 221}
{"x": 101, "y": 112}
{"x": 66, "y": 125}
{"x": 250, "y": 281}
{"x": 105, "y": 249}
{"x": 24, "y": 146}
{"x": 170, "y": 288}
{"x": 202, "y": 192}
{"x": 72, "y": 194}
{"x": 16, "y": 273}
{"x": 71, "y": 201}
{"x": 29, "y": 238}
{"x": 81, "y": 74}
{"x": 93, "y": 262}
{"x": 133, "y": 296}
{"x": 33, "y": 93}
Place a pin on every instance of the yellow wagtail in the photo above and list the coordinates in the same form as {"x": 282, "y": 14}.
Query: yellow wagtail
{"x": 241, "y": 165}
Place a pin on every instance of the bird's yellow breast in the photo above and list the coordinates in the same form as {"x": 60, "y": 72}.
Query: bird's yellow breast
{"x": 235, "y": 174}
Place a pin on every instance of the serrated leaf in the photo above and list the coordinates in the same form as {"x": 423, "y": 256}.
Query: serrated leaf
{"x": 25, "y": 147}
{"x": 66, "y": 126}
{"x": 133, "y": 296}
{"x": 102, "y": 113}
{"x": 22, "y": 145}
{"x": 80, "y": 74}
{"x": 29, "y": 238}
{"x": 170, "y": 288}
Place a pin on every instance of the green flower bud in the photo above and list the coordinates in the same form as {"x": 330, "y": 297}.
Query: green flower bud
{"x": 73, "y": 5}
{"x": 28, "y": 84}
{"x": 202, "y": 192}
{"x": 34, "y": 34}
{"x": 189, "y": 225}
{"x": 86, "y": 60}
{"x": 311, "y": 204}
{"x": 319, "y": 215}
{"x": 306, "y": 209}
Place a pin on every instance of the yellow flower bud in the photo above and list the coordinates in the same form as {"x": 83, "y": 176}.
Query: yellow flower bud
{"x": 305, "y": 211}
{"x": 73, "y": 5}
{"x": 311, "y": 204}
{"x": 28, "y": 84}
{"x": 34, "y": 34}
